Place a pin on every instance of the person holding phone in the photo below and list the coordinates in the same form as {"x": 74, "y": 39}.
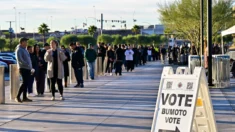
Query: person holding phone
{"x": 55, "y": 69}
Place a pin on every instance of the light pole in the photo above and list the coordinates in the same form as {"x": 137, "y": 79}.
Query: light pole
{"x": 134, "y": 18}
{"x": 15, "y": 23}
{"x": 209, "y": 41}
{"x": 19, "y": 22}
{"x": 75, "y": 25}
{"x": 51, "y": 23}
{"x": 24, "y": 22}
{"x": 94, "y": 14}
{"x": 202, "y": 29}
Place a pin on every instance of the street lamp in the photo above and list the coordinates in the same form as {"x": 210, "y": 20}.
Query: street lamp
{"x": 51, "y": 23}
{"x": 19, "y": 22}
{"x": 15, "y": 23}
{"x": 209, "y": 40}
{"x": 24, "y": 22}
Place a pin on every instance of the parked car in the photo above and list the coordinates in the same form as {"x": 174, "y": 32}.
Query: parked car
{"x": 8, "y": 54}
{"x": 5, "y": 66}
{"x": 7, "y": 57}
{"x": 8, "y": 61}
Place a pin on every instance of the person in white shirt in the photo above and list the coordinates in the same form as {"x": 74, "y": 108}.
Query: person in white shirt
{"x": 149, "y": 54}
{"x": 129, "y": 59}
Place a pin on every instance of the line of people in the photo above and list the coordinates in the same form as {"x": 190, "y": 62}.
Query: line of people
{"x": 52, "y": 64}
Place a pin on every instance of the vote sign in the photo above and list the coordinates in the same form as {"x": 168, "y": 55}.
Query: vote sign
{"x": 176, "y": 105}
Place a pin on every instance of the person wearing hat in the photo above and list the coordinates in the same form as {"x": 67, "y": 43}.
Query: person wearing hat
{"x": 90, "y": 56}
{"x": 25, "y": 67}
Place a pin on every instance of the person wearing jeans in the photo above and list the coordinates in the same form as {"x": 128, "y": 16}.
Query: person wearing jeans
{"x": 77, "y": 64}
{"x": 90, "y": 56}
{"x": 24, "y": 64}
{"x": 32, "y": 76}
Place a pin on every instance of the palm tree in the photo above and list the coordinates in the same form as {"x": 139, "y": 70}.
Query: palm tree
{"x": 135, "y": 29}
{"x": 43, "y": 29}
{"x": 92, "y": 30}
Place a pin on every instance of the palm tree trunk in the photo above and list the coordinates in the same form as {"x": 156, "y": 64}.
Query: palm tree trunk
{"x": 44, "y": 38}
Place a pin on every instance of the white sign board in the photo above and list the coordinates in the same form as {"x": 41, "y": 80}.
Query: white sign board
{"x": 176, "y": 103}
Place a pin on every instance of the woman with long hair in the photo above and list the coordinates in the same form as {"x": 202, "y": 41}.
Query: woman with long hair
{"x": 110, "y": 59}
{"x": 66, "y": 65}
{"x": 55, "y": 70}
{"x": 40, "y": 74}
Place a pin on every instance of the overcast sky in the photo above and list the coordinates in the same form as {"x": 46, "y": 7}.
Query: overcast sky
{"x": 63, "y": 13}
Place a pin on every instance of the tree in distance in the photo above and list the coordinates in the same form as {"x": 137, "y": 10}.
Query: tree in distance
{"x": 135, "y": 29}
{"x": 92, "y": 30}
{"x": 43, "y": 29}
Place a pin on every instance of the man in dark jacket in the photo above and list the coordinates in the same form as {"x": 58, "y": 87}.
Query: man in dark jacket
{"x": 90, "y": 56}
{"x": 77, "y": 64}
{"x": 119, "y": 58}
{"x": 136, "y": 55}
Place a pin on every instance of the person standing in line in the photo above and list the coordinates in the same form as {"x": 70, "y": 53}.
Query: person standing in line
{"x": 82, "y": 48}
{"x": 124, "y": 58}
{"x": 90, "y": 56}
{"x": 66, "y": 66}
{"x": 129, "y": 59}
{"x": 163, "y": 54}
{"x": 110, "y": 59}
{"x": 32, "y": 76}
{"x": 45, "y": 48}
{"x": 25, "y": 67}
{"x": 77, "y": 64}
{"x": 119, "y": 59}
{"x": 55, "y": 70}
{"x": 149, "y": 54}
{"x": 145, "y": 54}
{"x": 40, "y": 76}
{"x": 136, "y": 55}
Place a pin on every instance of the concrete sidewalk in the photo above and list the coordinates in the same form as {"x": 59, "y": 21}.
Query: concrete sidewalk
{"x": 107, "y": 104}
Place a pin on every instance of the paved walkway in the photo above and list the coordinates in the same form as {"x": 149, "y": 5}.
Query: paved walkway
{"x": 107, "y": 104}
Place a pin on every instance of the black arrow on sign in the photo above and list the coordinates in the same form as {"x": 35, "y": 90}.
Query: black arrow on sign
{"x": 176, "y": 130}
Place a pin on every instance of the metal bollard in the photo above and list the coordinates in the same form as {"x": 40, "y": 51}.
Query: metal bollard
{"x": 96, "y": 67}
{"x": 72, "y": 78}
{"x": 14, "y": 80}
{"x": 2, "y": 85}
{"x": 100, "y": 66}
{"x": 85, "y": 71}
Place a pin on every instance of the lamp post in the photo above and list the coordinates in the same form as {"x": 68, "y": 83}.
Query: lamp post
{"x": 15, "y": 23}
{"x": 19, "y": 22}
{"x": 202, "y": 29}
{"x": 51, "y": 23}
{"x": 209, "y": 40}
{"x": 24, "y": 22}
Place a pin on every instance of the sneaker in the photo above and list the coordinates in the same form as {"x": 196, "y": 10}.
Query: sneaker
{"x": 27, "y": 100}
{"x": 62, "y": 98}
{"x": 18, "y": 100}
{"x": 111, "y": 74}
{"x": 53, "y": 98}
{"x": 31, "y": 95}
{"x": 82, "y": 86}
